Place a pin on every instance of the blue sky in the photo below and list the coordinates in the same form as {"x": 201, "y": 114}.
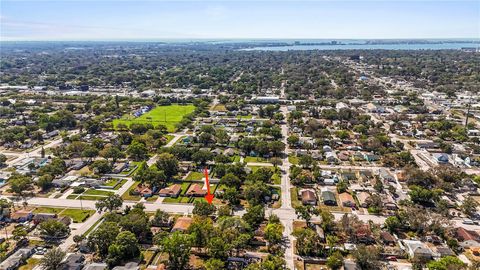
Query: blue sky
{"x": 122, "y": 20}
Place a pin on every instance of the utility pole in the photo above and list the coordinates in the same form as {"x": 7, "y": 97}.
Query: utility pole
{"x": 468, "y": 110}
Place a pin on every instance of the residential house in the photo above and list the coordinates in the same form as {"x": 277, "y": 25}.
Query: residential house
{"x": 386, "y": 176}
{"x": 73, "y": 261}
{"x": 363, "y": 234}
{"x": 144, "y": 191}
{"x": 346, "y": 199}
{"x": 182, "y": 224}
{"x": 128, "y": 266}
{"x": 18, "y": 258}
{"x": 331, "y": 157}
{"x": 328, "y": 198}
{"x": 363, "y": 198}
{"x": 387, "y": 239}
{"x": 21, "y": 216}
{"x": 171, "y": 191}
{"x": 41, "y": 217}
{"x": 119, "y": 167}
{"x": 308, "y": 197}
{"x": 418, "y": 250}
{"x": 467, "y": 238}
{"x": 196, "y": 190}
{"x": 441, "y": 158}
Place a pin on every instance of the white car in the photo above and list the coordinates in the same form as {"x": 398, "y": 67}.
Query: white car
{"x": 468, "y": 222}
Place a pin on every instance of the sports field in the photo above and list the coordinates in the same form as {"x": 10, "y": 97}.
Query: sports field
{"x": 165, "y": 115}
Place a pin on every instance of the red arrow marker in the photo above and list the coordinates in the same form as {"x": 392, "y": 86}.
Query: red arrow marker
{"x": 209, "y": 197}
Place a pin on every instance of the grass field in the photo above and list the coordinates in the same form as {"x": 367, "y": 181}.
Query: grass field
{"x": 31, "y": 263}
{"x": 77, "y": 215}
{"x": 126, "y": 196}
{"x": 194, "y": 176}
{"x": 165, "y": 115}
{"x": 97, "y": 192}
{"x": 219, "y": 108}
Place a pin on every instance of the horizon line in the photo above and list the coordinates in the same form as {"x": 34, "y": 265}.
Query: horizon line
{"x": 234, "y": 39}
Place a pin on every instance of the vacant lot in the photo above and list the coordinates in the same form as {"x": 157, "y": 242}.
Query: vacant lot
{"x": 164, "y": 115}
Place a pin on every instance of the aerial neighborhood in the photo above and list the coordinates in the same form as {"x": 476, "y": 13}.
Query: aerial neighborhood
{"x": 207, "y": 156}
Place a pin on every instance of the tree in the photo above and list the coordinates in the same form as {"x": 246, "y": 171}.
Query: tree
{"x": 272, "y": 262}
{"x": 110, "y": 203}
{"x": 125, "y": 247}
{"x": 217, "y": 248}
{"x": 335, "y": 261}
{"x": 230, "y": 180}
{"x": 255, "y": 192}
{"x": 393, "y": 224}
{"x": 469, "y": 206}
{"x": 328, "y": 220}
{"x": 3, "y": 159}
{"x": 53, "y": 228}
{"x": 446, "y": 263}
{"x": 151, "y": 176}
{"x": 45, "y": 181}
{"x": 255, "y": 215}
{"x": 306, "y": 161}
{"x": 53, "y": 259}
{"x": 273, "y": 233}
{"x": 201, "y": 230}
{"x": 101, "y": 238}
{"x": 367, "y": 257}
{"x": 137, "y": 151}
{"x": 306, "y": 212}
{"x": 19, "y": 233}
{"x": 101, "y": 166}
{"x": 293, "y": 140}
{"x": 308, "y": 242}
{"x": 214, "y": 264}
{"x": 21, "y": 185}
{"x": 224, "y": 211}
{"x": 136, "y": 221}
{"x": 201, "y": 157}
{"x": 161, "y": 218}
{"x": 167, "y": 163}
{"x": 178, "y": 246}
{"x": 112, "y": 152}
{"x": 203, "y": 208}
{"x": 231, "y": 196}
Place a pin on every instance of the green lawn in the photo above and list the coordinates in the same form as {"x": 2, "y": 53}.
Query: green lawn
{"x": 277, "y": 179}
{"x": 236, "y": 159}
{"x": 294, "y": 197}
{"x": 152, "y": 199}
{"x": 293, "y": 160}
{"x": 169, "y": 138}
{"x": 194, "y": 176}
{"x": 47, "y": 210}
{"x": 31, "y": 263}
{"x": 114, "y": 182}
{"x": 93, "y": 226}
{"x": 255, "y": 159}
{"x": 165, "y": 115}
{"x": 244, "y": 116}
{"x": 77, "y": 215}
{"x": 89, "y": 198}
{"x": 97, "y": 192}
{"x": 126, "y": 196}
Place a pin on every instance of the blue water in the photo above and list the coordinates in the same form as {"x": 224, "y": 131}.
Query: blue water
{"x": 433, "y": 46}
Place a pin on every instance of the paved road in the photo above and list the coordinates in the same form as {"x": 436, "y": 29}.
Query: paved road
{"x": 37, "y": 151}
{"x": 287, "y": 220}
{"x": 176, "y": 137}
